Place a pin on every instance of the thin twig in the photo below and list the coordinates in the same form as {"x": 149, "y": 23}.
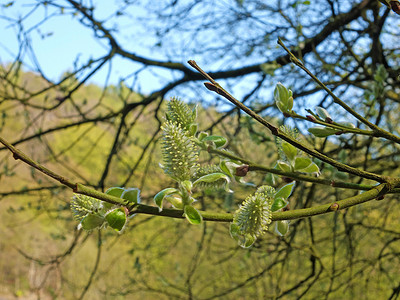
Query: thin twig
{"x": 217, "y": 88}
{"x": 377, "y": 131}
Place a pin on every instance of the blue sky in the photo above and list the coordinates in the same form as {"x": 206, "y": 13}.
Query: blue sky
{"x": 59, "y": 40}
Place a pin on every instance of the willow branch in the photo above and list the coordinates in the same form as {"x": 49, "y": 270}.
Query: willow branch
{"x": 373, "y": 193}
{"x": 377, "y": 131}
{"x": 217, "y": 88}
{"x": 293, "y": 175}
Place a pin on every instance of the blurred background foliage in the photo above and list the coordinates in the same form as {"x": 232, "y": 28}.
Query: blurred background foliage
{"x": 105, "y": 134}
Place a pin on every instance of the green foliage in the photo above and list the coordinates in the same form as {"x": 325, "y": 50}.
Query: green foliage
{"x": 283, "y": 98}
{"x": 291, "y": 159}
{"x": 96, "y": 214}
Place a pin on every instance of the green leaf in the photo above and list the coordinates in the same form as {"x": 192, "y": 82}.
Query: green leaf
{"x": 284, "y": 166}
{"x": 192, "y": 129}
{"x": 202, "y": 135}
{"x": 281, "y": 94}
{"x": 116, "y": 219}
{"x": 281, "y": 106}
{"x": 212, "y": 178}
{"x": 289, "y": 150}
{"x": 281, "y": 227}
{"x": 322, "y": 113}
{"x": 219, "y": 141}
{"x": 278, "y": 204}
{"x": 246, "y": 241}
{"x": 270, "y": 179}
{"x": 175, "y": 200}
{"x": 234, "y": 231}
{"x": 187, "y": 185}
{"x": 159, "y": 197}
{"x": 224, "y": 168}
{"x": 115, "y": 191}
{"x": 92, "y": 221}
{"x": 285, "y": 191}
{"x": 312, "y": 168}
{"x": 192, "y": 215}
{"x": 290, "y": 101}
{"x": 132, "y": 195}
{"x": 243, "y": 240}
{"x": 301, "y": 163}
{"x": 322, "y": 131}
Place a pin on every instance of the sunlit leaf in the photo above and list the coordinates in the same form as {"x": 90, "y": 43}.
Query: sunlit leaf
{"x": 301, "y": 163}
{"x": 224, "y": 168}
{"x": 322, "y": 113}
{"x": 284, "y": 166}
{"x": 175, "y": 200}
{"x": 159, "y": 197}
{"x": 312, "y": 168}
{"x": 322, "y": 131}
{"x": 289, "y": 150}
{"x": 132, "y": 195}
{"x": 115, "y": 191}
{"x": 92, "y": 221}
{"x": 281, "y": 228}
{"x": 278, "y": 204}
{"x": 212, "y": 178}
{"x": 246, "y": 241}
{"x": 116, "y": 219}
{"x": 192, "y": 215}
{"x": 219, "y": 141}
{"x": 285, "y": 191}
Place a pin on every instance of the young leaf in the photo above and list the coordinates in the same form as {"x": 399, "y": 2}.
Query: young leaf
{"x": 92, "y": 221}
{"x": 193, "y": 129}
{"x": 246, "y": 241}
{"x": 224, "y": 168}
{"x": 281, "y": 227}
{"x": 283, "y": 98}
{"x": 187, "y": 185}
{"x": 175, "y": 200}
{"x": 289, "y": 150}
{"x": 278, "y": 204}
{"x": 159, "y": 197}
{"x": 285, "y": 191}
{"x": 132, "y": 195}
{"x": 192, "y": 215}
{"x": 322, "y": 113}
{"x": 322, "y": 131}
{"x": 202, "y": 135}
{"x": 234, "y": 231}
{"x": 301, "y": 163}
{"x": 312, "y": 168}
{"x": 116, "y": 219}
{"x": 284, "y": 166}
{"x": 219, "y": 141}
{"x": 212, "y": 178}
{"x": 115, "y": 191}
